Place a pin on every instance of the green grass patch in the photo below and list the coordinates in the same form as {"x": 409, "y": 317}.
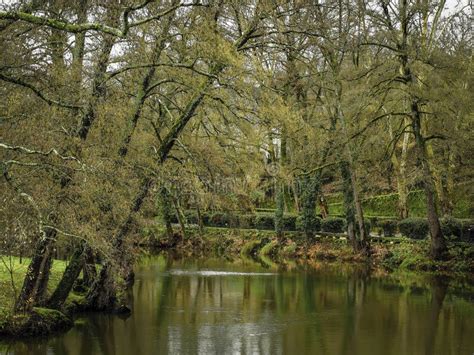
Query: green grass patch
{"x": 12, "y": 269}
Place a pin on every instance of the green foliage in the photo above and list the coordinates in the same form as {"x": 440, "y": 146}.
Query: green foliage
{"x": 250, "y": 247}
{"x": 451, "y": 227}
{"x": 269, "y": 248}
{"x": 206, "y": 218}
{"x": 219, "y": 219}
{"x": 389, "y": 227}
{"x": 247, "y": 221}
{"x": 467, "y": 230}
{"x": 289, "y": 222}
{"x": 265, "y": 221}
{"x": 414, "y": 228}
{"x": 333, "y": 225}
{"x": 314, "y": 224}
{"x": 387, "y": 205}
{"x": 191, "y": 217}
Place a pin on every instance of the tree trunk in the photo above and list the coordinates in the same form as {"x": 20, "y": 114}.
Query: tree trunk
{"x": 438, "y": 243}
{"x": 70, "y": 275}
{"x": 400, "y": 172}
{"x": 356, "y": 229}
{"x": 311, "y": 185}
{"x": 180, "y": 217}
{"x": 37, "y": 274}
{"x": 280, "y": 207}
{"x": 89, "y": 271}
{"x": 165, "y": 210}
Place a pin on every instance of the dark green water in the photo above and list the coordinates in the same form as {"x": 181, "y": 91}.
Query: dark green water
{"x": 213, "y": 306}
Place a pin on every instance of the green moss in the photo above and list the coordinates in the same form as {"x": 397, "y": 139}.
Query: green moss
{"x": 41, "y": 321}
{"x": 268, "y": 249}
{"x": 250, "y": 247}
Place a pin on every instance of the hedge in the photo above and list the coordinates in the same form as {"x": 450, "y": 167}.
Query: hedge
{"x": 414, "y": 228}
{"x": 315, "y": 224}
{"x": 333, "y": 225}
{"x": 191, "y": 217}
{"x": 389, "y": 227}
{"x": 219, "y": 219}
{"x": 265, "y": 221}
{"x": 247, "y": 221}
{"x": 289, "y": 222}
{"x": 451, "y": 227}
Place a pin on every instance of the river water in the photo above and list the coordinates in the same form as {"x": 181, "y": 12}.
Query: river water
{"x": 216, "y": 306}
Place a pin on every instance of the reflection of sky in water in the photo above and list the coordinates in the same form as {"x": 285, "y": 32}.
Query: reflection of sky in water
{"x": 217, "y": 273}
{"x": 217, "y": 307}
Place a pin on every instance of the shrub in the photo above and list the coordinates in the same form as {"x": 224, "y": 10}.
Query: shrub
{"x": 374, "y": 221}
{"x": 451, "y": 227}
{"x": 219, "y": 219}
{"x": 333, "y": 225}
{"x": 173, "y": 218}
{"x": 467, "y": 230}
{"x": 315, "y": 224}
{"x": 265, "y": 221}
{"x": 414, "y": 228}
{"x": 389, "y": 227}
{"x": 191, "y": 217}
{"x": 206, "y": 218}
{"x": 289, "y": 223}
{"x": 368, "y": 225}
{"x": 247, "y": 221}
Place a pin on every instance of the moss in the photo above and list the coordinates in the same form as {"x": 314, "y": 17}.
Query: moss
{"x": 75, "y": 303}
{"x": 289, "y": 250}
{"x": 269, "y": 248}
{"x": 250, "y": 247}
{"x": 41, "y": 321}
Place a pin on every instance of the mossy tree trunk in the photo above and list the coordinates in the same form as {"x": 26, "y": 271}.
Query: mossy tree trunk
{"x": 37, "y": 274}
{"x": 280, "y": 188}
{"x": 399, "y": 165}
{"x": 438, "y": 242}
{"x": 165, "y": 208}
{"x": 73, "y": 269}
{"x": 356, "y": 229}
{"x": 310, "y": 186}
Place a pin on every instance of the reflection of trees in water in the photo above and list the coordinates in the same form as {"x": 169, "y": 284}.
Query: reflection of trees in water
{"x": 439, "y": 286}
{"x": 315, "y": 311}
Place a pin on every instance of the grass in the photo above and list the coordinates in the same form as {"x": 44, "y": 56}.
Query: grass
{"x": 12, "y": 269}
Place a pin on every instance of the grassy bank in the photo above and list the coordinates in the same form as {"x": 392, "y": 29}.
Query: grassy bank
{"x": 40, "y": 320}
{"x": 12, "y": 272}
{"x": 390, "y": 253}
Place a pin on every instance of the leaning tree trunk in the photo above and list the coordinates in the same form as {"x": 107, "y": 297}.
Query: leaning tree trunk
{"x": 107, "y": 290}
{"x": 103, "y": 294}
{"x": 438, "y": 243}
{"x": 89, "y": 271}
{"x": 70, "y": 275}
{"x": 165, "y": 208}
{"x": 37, "y": 274}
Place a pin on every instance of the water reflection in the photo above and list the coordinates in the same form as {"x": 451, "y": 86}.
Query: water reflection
{"x": 217, "y": 307}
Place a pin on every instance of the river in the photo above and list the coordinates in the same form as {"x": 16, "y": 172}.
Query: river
{"x": 218, "y": 306}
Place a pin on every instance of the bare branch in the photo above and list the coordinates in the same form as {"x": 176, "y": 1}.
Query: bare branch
{"x": 38, "y": 92}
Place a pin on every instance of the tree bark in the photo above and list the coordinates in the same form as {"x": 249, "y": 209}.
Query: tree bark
{"x": 438, "y": 243}
{"x": 70, "y": 275}
{"x": 37, "y": 274}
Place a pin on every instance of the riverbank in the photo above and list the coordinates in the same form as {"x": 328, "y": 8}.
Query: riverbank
{"x": 41, "y": 321}
{"x": 391, "y": 257}
{"x": 213, "y": 304}
{"x": 388, "y": 253}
